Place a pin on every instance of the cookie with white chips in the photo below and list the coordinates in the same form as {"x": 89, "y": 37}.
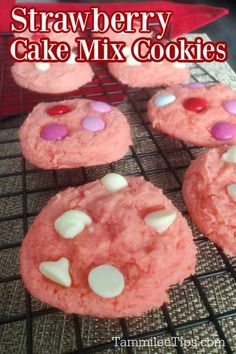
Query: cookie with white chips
{"x": 52, "y": 78}
{"x": 148, "y": 74}
{"x": 110, "y": 248}
{"x": 209, "y": 191}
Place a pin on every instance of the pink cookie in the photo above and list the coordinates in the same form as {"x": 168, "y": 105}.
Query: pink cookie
{"x": 209, "y": 192}
{"x": 136, "y": 74}
{"x": 74, "y": 133}
{"x": 52, "y": 77}
{"x": 195, "y": 113}
{"x": 110, "y": 259}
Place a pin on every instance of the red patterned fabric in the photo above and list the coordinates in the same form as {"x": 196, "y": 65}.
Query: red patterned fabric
{"x": 185, "y": 18}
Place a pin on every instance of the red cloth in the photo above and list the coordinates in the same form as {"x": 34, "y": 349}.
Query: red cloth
{"x": 185, "y": 18}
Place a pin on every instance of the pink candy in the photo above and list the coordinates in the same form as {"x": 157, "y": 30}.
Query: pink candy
{"x": 92, "y": 124}
{"x": 100, "y": 107}
{"x": 54, "y": 131}
{"x": 229, "y": 106}
{"x": 194, "y": 85}
{"x": 223, "y": 131}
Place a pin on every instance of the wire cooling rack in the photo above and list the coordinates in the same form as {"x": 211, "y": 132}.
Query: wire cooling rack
{"x": 203, "y": 308}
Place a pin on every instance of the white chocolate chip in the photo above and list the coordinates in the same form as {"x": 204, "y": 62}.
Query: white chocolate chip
{"x": 230, "y": 155}
{"x": 71, "y": 60}
{"x": 179, "y": 65}
{"x": 106, "y": 281}
{"x": 160, "y": 220}
{"x": 71, "y": 223}
{"x": 113, "y": 182}
{"x": 42, "y": 66}
{"x": 57, "y": 271}
{"x": 131, "y": 61}
{"x": 231, "y": 189}
{"x": 126, "y": 51}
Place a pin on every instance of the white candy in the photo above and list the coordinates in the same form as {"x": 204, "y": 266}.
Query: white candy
{"x": 160, "y": 220}
{"x": 231, "y": 189}
{"x": 57, "y": 271}
{"x": 179, "y": 65}
{"x": 131, "y": 61}
{"x": 106, "y": 281}
{"x": 230, "y": 155}
{"x": 42, "y": 66}
{"x": 126, "y": 51}
{"x": 113, "y": 182}
{"x": 72, "y": 60}
{"x": 71, "y": 223}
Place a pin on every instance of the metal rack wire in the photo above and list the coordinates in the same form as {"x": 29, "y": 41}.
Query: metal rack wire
{"x": 203, "y": 307}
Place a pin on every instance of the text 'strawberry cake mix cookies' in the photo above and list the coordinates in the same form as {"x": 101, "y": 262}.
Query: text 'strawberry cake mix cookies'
{"x": 209, "y": 192}
{"x": 148, "y": 74}
{"x": 110, "y": 248}
{"x": 74, "y": 133}
{"x": 195, "y": 113}
{"x": 52, "y": 77}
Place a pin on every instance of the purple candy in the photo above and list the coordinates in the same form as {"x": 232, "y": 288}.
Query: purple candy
{"x": 93, "y": 124}
{"x": 223, "y": 131}
{"x": 229, "y": 106}
{"x": 100, "y": 107}
{"x": 195, "y": 85}
{"x": 54, "y": 131}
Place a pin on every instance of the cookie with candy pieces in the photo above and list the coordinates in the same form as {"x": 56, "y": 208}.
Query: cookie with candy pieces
{"x": 195, "y": 113}
{"x": 110, "y": 248}
{"x": 209, "y": 191}
{"x": 74, "y": 133}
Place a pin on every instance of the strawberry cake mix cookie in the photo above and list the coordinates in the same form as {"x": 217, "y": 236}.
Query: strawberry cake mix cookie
{"x": 110, "y": 248}
{"x": 74, "y": 133}
{"x": 148, "y": 74}
{"x": 209, "y": 192}
{"x": 195, "y": 113}
{"x": 52, "y": 77}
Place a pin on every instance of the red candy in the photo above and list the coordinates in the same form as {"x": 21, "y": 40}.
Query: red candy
{"x": 37, "y": 36}
{"x": 58, "y": 110}
{"x": 195, "y": 104}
